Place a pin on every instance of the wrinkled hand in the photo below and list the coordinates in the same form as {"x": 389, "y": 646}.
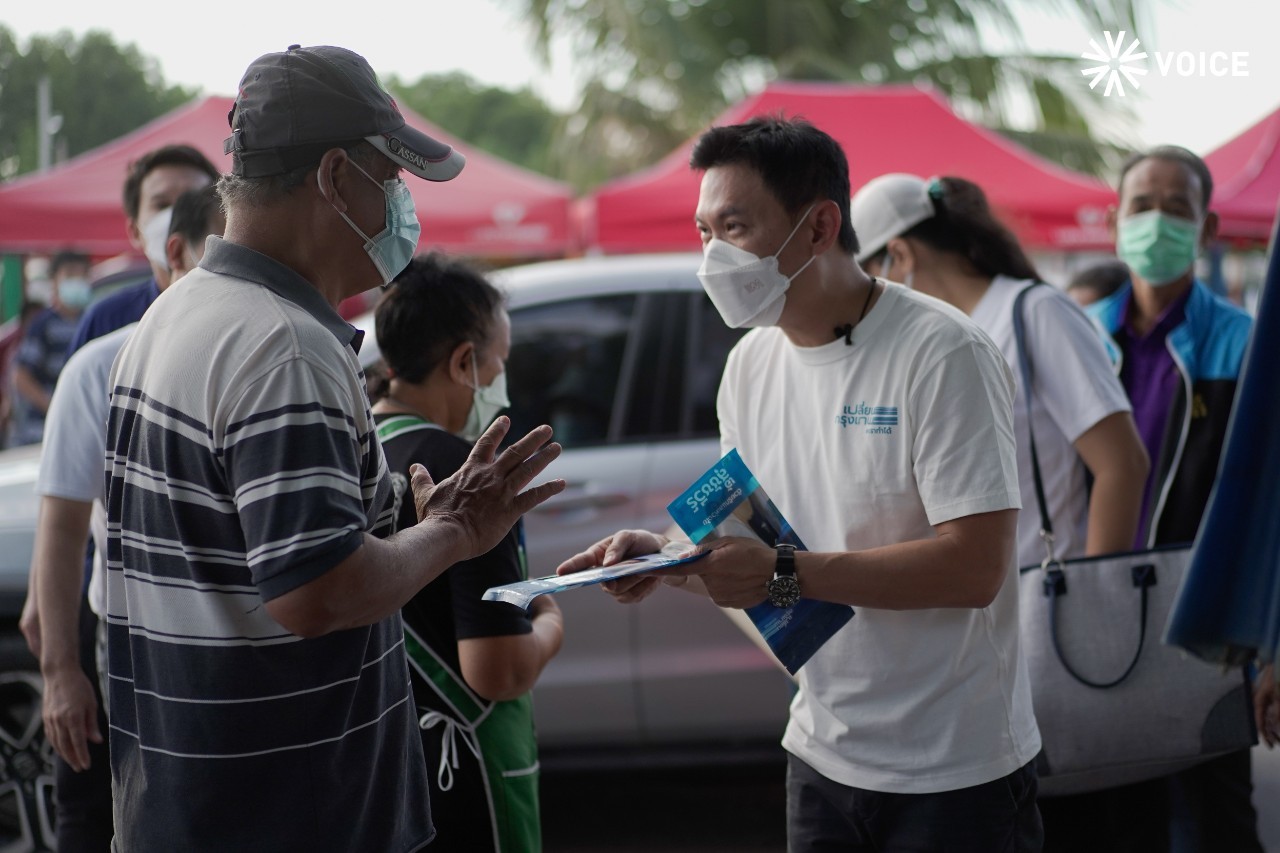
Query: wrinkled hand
{"x": 70, "y": 713}
{"x": 1266, "y": 705}
{"x": 29, "y": 624}
{"x": 484, "y": 498}
{"x": 614, "y": 549}
{"x": 734, "y": 571}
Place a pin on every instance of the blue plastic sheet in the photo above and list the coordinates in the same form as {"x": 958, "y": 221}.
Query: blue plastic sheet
{"x": 1228, "y": 609}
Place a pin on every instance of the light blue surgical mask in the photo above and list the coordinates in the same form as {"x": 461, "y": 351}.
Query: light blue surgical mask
{"x": 393, "y": 247}
{"x": 74, "y": 293}
{"x": 1159, "y": 247}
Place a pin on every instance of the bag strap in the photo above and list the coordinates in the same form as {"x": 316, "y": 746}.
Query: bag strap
{"x": 1024, "y": 366}
{"x": 1144, "y": 577}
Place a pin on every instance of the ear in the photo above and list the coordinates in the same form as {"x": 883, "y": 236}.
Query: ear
{"x": 135, "y": 235}
{"x": 1209, "y": 231}
{"x": 1113, "y": 216}
{"x": 175, "y": 249}
{"x": 460, "y": 363}
{"x": 904, "y": 257}
{"x": 827, "y": 220}
{"x": 329, "y": 181}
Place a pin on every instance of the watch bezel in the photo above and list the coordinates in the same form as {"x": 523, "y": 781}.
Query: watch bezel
{"x": 784, "y": 590}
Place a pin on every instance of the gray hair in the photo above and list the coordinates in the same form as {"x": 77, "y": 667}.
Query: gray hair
{"x": 239, "y": 191}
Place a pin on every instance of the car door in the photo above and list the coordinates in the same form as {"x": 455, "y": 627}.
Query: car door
{"x": 701, "y": 678}
{"x": 567, "y": 363}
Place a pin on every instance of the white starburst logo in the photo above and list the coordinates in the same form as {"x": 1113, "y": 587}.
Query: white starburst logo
{"x": 1115, "y": 64}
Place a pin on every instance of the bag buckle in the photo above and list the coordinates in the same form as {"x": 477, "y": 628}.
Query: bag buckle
{"x": 1144, "y": 575}
{"x": 1055, "y": 583}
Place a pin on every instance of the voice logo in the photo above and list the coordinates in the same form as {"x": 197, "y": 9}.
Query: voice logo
{"x": 1121, "y": 63}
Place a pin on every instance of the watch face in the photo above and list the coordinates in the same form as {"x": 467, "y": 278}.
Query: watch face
{"x": 784, "y": 591}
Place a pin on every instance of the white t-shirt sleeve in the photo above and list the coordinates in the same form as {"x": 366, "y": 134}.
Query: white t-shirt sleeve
{"x": 963, "y": 452}
{"x": 75, "y": 430}
{"x": 1072, "y": 375}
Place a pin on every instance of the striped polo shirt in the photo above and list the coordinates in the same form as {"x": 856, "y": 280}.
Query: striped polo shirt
{"x": 242, "y": 463}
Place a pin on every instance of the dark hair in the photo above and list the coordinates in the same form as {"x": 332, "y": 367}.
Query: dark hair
{"x": 798, "y": 162}
{"x": 66, "y": 259}
{"x": 1177, "y": 154}
{"x": 169, "y": 155}
{"x": 192, "y": 213}
{"x": 1103, "y": 278}
{"x": 430, "y": 308}
{"x": 964, "y": 224}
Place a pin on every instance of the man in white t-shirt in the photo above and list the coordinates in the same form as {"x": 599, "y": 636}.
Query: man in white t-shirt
{"x": 881, "y": 423}
{"x": 70, "y": 485}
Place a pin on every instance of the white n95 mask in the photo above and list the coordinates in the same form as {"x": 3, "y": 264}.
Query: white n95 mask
{"x": 746, "y": 289}
{"x": 155, "y": 237}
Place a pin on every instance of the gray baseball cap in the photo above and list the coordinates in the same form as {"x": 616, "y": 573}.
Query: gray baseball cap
{"x": 294, "y": 106}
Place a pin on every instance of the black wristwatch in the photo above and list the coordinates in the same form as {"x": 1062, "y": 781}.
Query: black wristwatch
{"x": 784, "y": 588}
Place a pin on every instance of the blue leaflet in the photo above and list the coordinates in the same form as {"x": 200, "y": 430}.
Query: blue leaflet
{"x": 728, "y": 501}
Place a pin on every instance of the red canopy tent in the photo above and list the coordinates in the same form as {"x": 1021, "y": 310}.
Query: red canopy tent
{"x": 1246, "y": 174}
{"x": 493, "y": 209}
{"x": 882, "y": 129}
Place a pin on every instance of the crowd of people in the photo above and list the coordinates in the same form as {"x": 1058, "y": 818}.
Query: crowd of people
{"x": 262, "y": 628}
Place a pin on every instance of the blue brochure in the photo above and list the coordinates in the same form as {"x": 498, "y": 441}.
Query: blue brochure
{"x": 728, "y": 501}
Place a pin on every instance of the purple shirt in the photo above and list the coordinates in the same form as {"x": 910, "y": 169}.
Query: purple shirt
{"x": 1151, "y": 378}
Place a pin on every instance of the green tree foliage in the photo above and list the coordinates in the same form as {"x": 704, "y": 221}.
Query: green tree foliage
{"x": 102, "y": 91}
{"x": 658, "y": 70}
{"x": 516, "y": 126}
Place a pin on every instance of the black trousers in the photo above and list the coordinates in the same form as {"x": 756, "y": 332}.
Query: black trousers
{"x": 83, "y": 800}
{"x": 1207, "y": 809}
{"x": 996, "y": 817}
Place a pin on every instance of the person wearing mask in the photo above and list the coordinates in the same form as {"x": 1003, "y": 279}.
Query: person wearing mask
{"x": 43, "y": 349}
{"x": 912, "y": 728}
{"x": 61, "y": 620}
{"x": 943, "y": 240}
{"x": 1180, "y": 349}
{"x": 445, "y": 336}
{"x": 259, "y": 689}
{"x": 152, "y": 184}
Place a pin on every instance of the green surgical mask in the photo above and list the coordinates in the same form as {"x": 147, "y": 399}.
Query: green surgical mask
{"x": 1159, "y": 248}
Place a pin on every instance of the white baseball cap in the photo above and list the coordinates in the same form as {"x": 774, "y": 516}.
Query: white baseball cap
{"x": 887, "y": 207}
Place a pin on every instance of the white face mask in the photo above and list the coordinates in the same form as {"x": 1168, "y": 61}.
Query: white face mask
{"x": 747, "y": 290}
{"x": 486, "y": 402}
{"x": 155, "y": 236}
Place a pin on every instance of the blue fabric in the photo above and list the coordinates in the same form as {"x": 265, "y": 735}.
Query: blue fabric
{"x": 121, "y": 308}
{"x": 1210, "y": 343}
{"x": 1229, "y": 607}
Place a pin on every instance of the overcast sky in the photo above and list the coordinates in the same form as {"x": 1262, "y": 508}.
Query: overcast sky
{"x": 208, "y": 46}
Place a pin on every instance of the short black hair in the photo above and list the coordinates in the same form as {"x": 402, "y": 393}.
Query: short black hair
{"x": 192, "y": 212}
{"x": 435, "y": 304}
{"x": 798, "y": 162}
{"x": 1103, "y": 278}
{"x": 168, "y": 155}
{"x": 1177, "y": 154}
{"x": 67, "y": 258}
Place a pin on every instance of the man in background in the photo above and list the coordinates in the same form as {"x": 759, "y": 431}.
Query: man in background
{"x": 60, "y": 622}
{"x": 154, "y": 181}
{"x": 44, "y": 347}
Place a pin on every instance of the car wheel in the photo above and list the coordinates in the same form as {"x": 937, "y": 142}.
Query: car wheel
{"x": 26, "y": 758}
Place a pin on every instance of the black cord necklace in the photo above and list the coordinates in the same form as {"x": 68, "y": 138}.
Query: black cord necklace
{"x": 846, "y": 331}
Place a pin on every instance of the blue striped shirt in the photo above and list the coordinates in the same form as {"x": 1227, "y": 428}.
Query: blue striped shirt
{"x": 242, "y": 463}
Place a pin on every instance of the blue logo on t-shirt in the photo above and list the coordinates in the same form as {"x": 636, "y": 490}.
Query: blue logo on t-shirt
{"x": 878, "y": 420}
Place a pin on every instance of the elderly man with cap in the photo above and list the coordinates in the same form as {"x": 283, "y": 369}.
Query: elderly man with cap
{"x": 259, "y": 694}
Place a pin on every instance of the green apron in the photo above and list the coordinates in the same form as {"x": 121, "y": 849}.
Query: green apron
{"x": 499, "y": 734}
